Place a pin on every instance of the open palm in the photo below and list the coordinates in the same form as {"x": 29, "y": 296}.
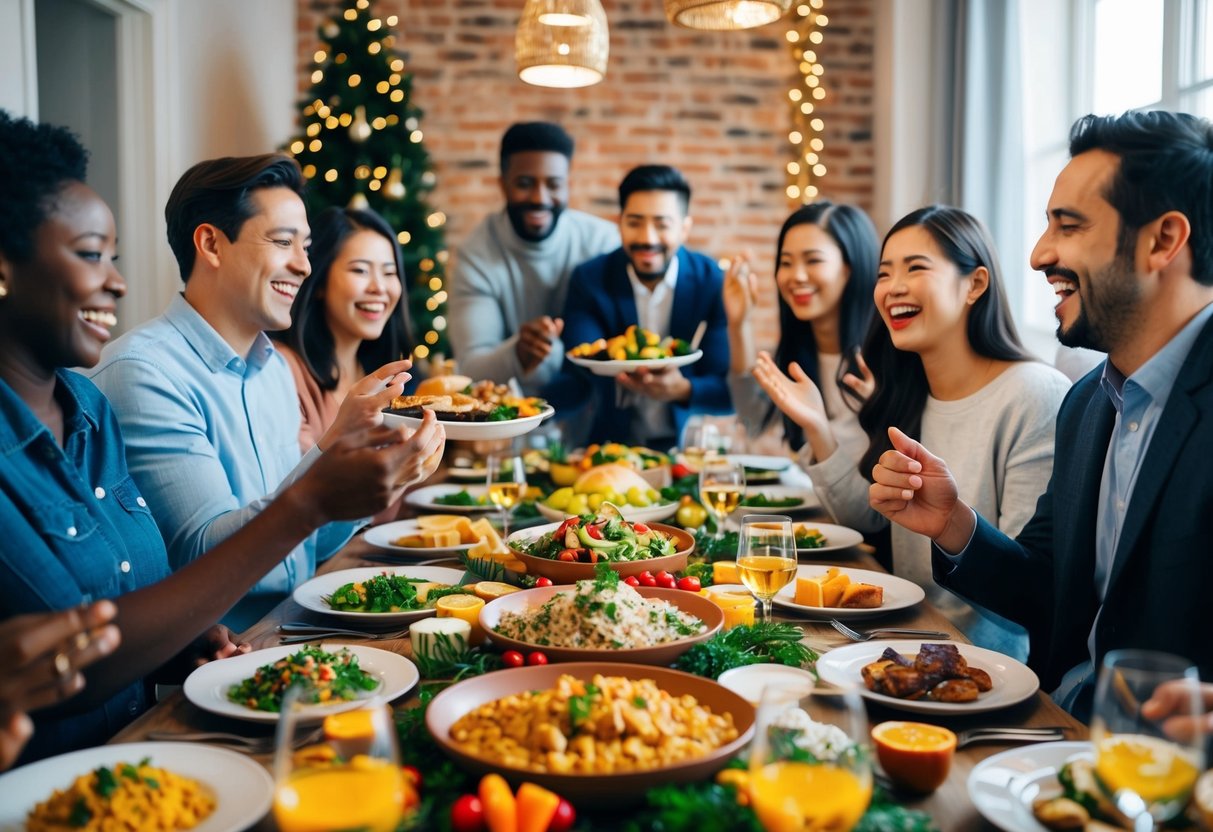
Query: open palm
{"x": 796, "y": 396}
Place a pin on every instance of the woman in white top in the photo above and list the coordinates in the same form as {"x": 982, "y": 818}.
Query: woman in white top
{"x": 826, "y": 271}
{"x": 949, "y": 364}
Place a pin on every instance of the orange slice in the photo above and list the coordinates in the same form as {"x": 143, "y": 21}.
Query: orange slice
{"x": 488, "y": 590}
{"x": 915, "y": 755}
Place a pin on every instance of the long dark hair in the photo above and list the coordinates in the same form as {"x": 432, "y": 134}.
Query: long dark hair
{"x": 901, "y": 381}
{"x": 856, "y": 238}
{"x": 309, "y": 333}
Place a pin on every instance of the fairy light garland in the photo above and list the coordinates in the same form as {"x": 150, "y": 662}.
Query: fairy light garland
{"x": 804, "y": 38}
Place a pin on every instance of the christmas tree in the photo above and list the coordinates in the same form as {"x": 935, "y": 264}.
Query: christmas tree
{"x": 362, "y": 146}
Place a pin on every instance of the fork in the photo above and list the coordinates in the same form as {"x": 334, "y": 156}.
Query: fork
{"x": 868, "y": 635}
{"x": 249, "y": 745}
{"x": 300, "y": 631}
{"x": 1043, "y": 734}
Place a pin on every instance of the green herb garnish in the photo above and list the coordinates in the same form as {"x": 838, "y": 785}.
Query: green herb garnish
{"x": 106, "y": 782}
{"x": 765, "y": 641}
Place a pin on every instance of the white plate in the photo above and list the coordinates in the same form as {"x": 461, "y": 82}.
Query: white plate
{"x": 472, "y": 474}
{"x": 477, "y": 430}
{"x": 311, "y": 595}
{"x": 207, "y": 686}
{"x": 1013, "y": 682}
{"x": 899, "y": 593}
{"x": 748, "y": 681}
{"x": 614, "y": 368}
{"x": 757, "y": 461}
{"x": 424, "y": 498}
{"x": 383, "y": 535}
{"x": 1003, "y": 786}
{"x": 779, "y": 492}
{"x": 637, "y": 514}
{"x": 242, "y": 788}
{"x": 837, "y": 537}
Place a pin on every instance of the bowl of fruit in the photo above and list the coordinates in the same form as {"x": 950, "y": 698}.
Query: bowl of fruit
{"x": 612, "y": 483}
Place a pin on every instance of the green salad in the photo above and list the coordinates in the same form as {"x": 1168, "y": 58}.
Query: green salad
{"x": 461, "y": 498}
{"x": 389, "y": 593}
{"x": 761, "y": 500}
{"x": 326, "y": 677}
{"x": 590, "y": 539}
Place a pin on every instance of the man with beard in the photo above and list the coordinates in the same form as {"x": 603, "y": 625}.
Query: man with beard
{"x": 654, "y": 282}
{"x": 1116, "y": 555}
{"x": 508, "y": 280}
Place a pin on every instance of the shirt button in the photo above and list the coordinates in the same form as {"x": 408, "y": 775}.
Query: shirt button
{"x": 1133, "y": 426}
{"x": 1120, "y": 505}
{"x": 125, "y": 566}
{"x": 132, "y": 708}
{"x": 71, "y": 531}
{"x": 142, "y": 502}
{"x": 100, "y": 492}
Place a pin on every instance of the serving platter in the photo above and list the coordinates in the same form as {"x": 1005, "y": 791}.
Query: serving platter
{"x": 899, "y": 594}
{"x": 383, "y": 536}
{"x": 313, "y": 594}
{"x": 505, "y": 429}
{"x": 615, "y": 367}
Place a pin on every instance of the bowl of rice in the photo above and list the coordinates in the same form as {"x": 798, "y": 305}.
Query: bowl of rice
{"x": 602, "y": 621}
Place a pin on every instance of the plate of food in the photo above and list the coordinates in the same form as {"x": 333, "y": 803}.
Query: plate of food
{"x": 379, "y": 595}
{"x": 224, "y": 790}
{"x": 468, "y": 409}
{"x": 251, "y": 686}
{"x": 681, "y": 728}
{"x": 564, "y": 552}
{"x": 824, "y": 537}
{"x": 776, "y": 499}
{"x": 426, "y": 536}
{"x": 1005, "y": 787}
{"x": 760, "y": 468}
{"x": 464, "y": 499}
{"x": 636, "y": 349}
{"x": 602, "y": 619}
{"x": 825, "y": 592}
{"x": 928, "y": 677}
{"x": 469, "y": 471}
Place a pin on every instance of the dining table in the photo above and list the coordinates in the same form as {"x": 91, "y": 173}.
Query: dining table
{"x": 949, "y": 806}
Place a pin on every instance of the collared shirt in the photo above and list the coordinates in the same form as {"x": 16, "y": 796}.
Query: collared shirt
{"x": 654, "y": 307}
{"x": 211, "y": 438}
{"x": 76, "y": 529}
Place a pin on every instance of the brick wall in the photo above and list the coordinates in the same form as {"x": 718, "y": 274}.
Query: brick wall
{"x": 712, "y": 104}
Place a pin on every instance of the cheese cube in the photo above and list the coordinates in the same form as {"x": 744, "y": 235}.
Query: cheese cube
{"x": 725, "y": 572}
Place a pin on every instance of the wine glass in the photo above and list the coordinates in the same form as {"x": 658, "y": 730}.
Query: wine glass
{"x": 721, "y": 486}
{"x": 700, "y": 442}
{"x": 506, "y": 484}
{"x": 766, "y": 556}
{"x": 809, "y": 765}
{"x": 1146, "y": 773}
{"x": 348, "y": 778}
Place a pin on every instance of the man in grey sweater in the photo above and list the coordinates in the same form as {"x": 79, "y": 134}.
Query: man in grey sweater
{"x": 510, "y": 277}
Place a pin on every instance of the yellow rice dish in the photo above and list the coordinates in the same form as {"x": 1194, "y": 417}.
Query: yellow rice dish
{"x": 125, "y": 797}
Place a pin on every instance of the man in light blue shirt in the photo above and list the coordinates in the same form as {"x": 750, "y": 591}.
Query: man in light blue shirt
{"x": 1117, "y": 553}
{"x": 207, "y": 407}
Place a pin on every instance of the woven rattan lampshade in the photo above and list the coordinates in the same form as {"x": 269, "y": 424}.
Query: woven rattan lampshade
{"x": 722, "y": 15}
{"x": 562, "y": 43}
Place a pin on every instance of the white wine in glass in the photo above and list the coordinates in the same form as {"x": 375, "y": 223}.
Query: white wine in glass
{"x": 506, "y": 481}
{"x": 721, "y": 487}
{"x": 1146, "y": 773}
{"x": 700, "y": 444}
{"x": 766, "y": 556}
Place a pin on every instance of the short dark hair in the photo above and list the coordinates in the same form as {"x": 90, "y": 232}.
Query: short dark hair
{"x": 1166, "y": 164}
{"x": 36, "y": 161}
{"x": 217, "y": 192}
{"x": 655, "y": 178}
{"x": 309, "y": 334}
{"x": 535, "y": 135}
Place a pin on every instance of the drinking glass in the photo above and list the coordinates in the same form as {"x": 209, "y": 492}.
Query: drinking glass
{"x": 700, "y": 442}
{"x": 721, "y": 487}
{"x": 809, "y": 765}
{"x": 348, "y": 778}
{"x": 1147, "y": 774}
{"x": 507, "y": 485}
{"x": 766, "y": 556}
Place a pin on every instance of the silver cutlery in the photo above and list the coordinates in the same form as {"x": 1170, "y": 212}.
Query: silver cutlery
{"x": 249, "y": 745}
{"x": 882, "y": 632}
{"x": 300, "y": 631}
{"x": 1044, "y": 734}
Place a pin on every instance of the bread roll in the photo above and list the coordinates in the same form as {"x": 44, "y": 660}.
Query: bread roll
{"x": 609, "y": 477}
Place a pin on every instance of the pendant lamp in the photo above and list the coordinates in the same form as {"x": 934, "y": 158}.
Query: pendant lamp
{"x": 562, "y": 43}
{"x": 725, "y": 15}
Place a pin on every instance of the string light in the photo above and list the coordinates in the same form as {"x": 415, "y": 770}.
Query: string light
{"x": 804, "y": 137}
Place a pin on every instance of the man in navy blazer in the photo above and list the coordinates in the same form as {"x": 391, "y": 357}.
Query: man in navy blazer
{"x": 1118, "y": 553}
{"x": 652, "y": 281}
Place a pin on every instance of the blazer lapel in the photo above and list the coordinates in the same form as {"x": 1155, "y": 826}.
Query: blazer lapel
{"x": 1082, "y": 484}
{"x": 622, "y": 298}
{"x": 684, "y": 315}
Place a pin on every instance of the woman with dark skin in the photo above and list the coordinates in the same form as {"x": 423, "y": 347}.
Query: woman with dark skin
{"x": 62, "y": 459}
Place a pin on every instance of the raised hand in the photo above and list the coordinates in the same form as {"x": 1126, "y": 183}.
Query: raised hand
{"x": 796, "y": 396}
{"x": 535, "y": 339}
{"x": 363, "y": 405}
{"x": 740, "y": 289}
{"x": 1170, "y": 703}
{"x": 914, "y": 488}
{"x": 864, "y": 383}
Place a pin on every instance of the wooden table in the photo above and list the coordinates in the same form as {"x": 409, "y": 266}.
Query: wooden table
{"x": 950, "y": 805}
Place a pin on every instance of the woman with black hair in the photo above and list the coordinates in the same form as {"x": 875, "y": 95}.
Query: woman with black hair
{"x": 826, "y": 270}
{"x": 347, "y": 316}
{"x": 950, "y": 370}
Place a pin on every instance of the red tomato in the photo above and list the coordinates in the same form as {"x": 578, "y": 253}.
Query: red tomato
{"x": 536, "y": 658}
{"x": 632, "y": 580}
{"x": 412, "y": 776}
{"x": 640, "y": 528}
{"x": 647, "y": 579}
{"x": 512, "y": 658}
{"x": 678, "y": 471}
{"x": 690, "y": 583}
{"x": 594, "y": 531}
{"x": 467, "y": 814}
{"x": 568, "y": 555}
{"x": 543, "y": 581}
{"x": 665, "y": 580}
{"x": 564, "y": 818}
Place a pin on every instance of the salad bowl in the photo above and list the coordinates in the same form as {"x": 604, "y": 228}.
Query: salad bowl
{"x": 563, "y": 572}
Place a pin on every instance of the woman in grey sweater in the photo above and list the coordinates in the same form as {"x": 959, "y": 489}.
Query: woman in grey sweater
{"x": 950, "y": 370}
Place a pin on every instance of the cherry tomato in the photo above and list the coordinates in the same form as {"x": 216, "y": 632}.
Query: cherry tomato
{"x": 564, "y": 818}
{"x": 640, "y": 528}
{"x": 594, "y": 531}
{"x": 536, "y": 657}
{"x": 543, "y": 581}
{"x": 690, "y": 583}
{"x": 467, "y": 815}
{"x": 632, "y": 580}
{"x": 647, "y": 579}
{"x": 665, "y": 580}
{"x": 568, "y": 555}
{"x": 412, "y": 776}
{"x": 512, "y": 658}
{"x": 678, "y": 470}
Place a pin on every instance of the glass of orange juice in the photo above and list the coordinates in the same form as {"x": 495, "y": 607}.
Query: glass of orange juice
{"x": 1147, "y": 771}
{"x": 347, "y": 778}
{"x": 810, "y": 768}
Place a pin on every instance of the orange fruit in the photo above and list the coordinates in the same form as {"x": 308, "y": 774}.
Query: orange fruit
{"x": 488, "y": 590}
{"x": 915, "y": 755}
{"x": 349, "y": 725}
